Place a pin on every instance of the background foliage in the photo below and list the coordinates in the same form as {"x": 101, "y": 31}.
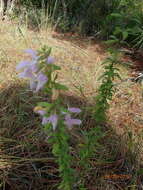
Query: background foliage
{"x": 119, "y": 21}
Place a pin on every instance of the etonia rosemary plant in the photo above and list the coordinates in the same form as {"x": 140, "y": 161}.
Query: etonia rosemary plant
{"x": 57, "y": 120}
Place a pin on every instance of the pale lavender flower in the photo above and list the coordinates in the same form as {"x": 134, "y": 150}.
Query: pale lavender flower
{"x": 41, "y": 81}
{"x": 53, "y": 119}
{"x": 45, "y": 120}
{"x": 34, "y": 66}
{"x": 69, "y": 122}
{"x": 32, "y": 52}
{"x": 37, "y": 82}
{"x": 28, "y": 64}
{"x": 41, "y": 112}
{"x": 74, "y": 110}
{"x": 22, "y": 65}
{"x": 33, "y": 85}
{"x": 27, "y": 73}
{"x": 50, "y": 60}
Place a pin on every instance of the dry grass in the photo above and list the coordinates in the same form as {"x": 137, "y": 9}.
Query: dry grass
{"x": 78, "y": 63}
{"x": 26, "y": 161}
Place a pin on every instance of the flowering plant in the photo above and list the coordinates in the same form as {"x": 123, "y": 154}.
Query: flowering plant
{"x": 56, "y": 119}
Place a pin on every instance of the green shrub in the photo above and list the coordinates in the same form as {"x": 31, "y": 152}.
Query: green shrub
{"x": 120, "y": 21}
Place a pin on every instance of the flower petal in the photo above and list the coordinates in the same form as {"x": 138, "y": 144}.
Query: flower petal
{"x": 31, "y": 52}
{"x": 33, "y": 68}
{"x": 74, "y": 110}
{"x": 50, "y": 60}
{"x": 70, "y": 122}
{"x": 27, "y": 74}
{"x": 33, "y": 85}
{"x": 41, "y": 79}
{"x": 54, "y": 120}
{"x": 75, "y": 121}
{"x": 41, "y": 112}
{"x": 45, "y": 120}
{"x": 22, "y": 65}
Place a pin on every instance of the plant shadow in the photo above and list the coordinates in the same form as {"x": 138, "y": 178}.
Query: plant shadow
{"x": 83, "y": 42}
{"x": 26, "y": 158}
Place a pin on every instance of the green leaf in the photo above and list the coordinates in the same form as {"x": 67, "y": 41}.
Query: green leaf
{"x": 109, "y": 42}
{"x": 45, "y": 104}
{"x": 47, "y": 127}
{"x": 55, "y": 150}
{"x": 117, "y": 31}
{"x": 55, "y": 67}
{"x": 62, "y": 109}
{"x": 113, "y": 37}
{"x": 140, "y": 171}
{"x": 125, "y": 35}
{"x": 60, "y": 86}
{"x": 116, "y": 15}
